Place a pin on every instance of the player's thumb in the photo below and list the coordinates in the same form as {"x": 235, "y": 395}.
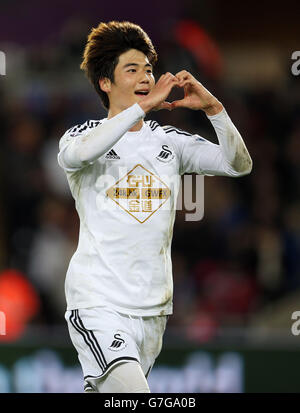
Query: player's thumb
{"x": 178, "y": 104}
{"x": 164, "y": 105}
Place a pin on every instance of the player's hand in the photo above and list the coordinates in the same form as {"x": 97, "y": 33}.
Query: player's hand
{"x": 156, "y": 99}
{"x": 196, "y": 96}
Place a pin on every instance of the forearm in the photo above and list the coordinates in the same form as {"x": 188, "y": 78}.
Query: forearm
{"x": 232, "y": 145}
{"x": 102, "y": 138}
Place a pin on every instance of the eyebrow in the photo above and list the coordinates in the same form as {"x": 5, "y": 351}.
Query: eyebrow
{"x": 135, "y": 64}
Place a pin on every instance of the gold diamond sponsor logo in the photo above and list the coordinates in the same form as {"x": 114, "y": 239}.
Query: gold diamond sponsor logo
{"x": 140, "y": 193}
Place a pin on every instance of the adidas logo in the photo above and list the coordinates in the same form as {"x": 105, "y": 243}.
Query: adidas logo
{"x": 118, "y": 343}
{"x": 112, "y": 155}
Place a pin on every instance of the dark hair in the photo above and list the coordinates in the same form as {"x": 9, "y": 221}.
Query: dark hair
{"x": 104, "y": 46}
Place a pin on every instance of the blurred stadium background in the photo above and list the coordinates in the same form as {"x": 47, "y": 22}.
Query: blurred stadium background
{"x": 236, "y": 272}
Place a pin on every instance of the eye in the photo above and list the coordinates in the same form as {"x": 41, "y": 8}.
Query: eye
{"x": 131, "y": 70}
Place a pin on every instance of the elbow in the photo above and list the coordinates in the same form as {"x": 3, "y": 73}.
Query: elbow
{"x": 242, "y": 168}
{"x": 242, "y": 164}
{"x": 83, "y": 157}
{"x": 250, "y": 166}
{"x": 82, "y": 151}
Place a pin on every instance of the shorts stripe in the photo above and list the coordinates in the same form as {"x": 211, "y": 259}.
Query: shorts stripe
{"x": 85, "y": 334}
{"x": 93, "y": 339}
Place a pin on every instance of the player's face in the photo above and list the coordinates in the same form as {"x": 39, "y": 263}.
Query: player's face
{"x": 133, "y": 75}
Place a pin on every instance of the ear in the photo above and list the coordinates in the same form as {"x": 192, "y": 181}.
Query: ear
{"x": 105, "y": 84}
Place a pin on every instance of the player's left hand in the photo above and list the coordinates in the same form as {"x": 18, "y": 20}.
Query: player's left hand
{"x": 196, "y": 96}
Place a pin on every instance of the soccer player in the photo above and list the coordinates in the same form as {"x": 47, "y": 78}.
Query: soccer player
{"x": 124, "y": 174}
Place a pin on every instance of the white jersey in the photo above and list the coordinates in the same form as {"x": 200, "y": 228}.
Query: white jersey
{"x": 126, "y": 202}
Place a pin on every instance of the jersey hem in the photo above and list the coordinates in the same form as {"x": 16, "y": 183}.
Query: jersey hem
{"x": 122, "y": 310}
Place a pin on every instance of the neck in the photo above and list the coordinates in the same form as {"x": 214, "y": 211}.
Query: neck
{"x": 114, "y": 111}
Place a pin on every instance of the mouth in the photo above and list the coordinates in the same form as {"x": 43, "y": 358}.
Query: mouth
{"x": 142, "y": 92}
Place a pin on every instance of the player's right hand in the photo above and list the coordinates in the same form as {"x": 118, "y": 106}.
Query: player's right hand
{"x": 156, "y": 99}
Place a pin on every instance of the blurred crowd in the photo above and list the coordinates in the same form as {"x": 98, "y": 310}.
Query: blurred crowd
{"x": 241, "y": 256}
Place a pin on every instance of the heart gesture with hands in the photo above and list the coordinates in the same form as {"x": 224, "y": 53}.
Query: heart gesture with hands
{"x": 196, "y": 96}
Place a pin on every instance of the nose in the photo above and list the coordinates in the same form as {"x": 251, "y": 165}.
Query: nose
{"x": 145, "y": 78}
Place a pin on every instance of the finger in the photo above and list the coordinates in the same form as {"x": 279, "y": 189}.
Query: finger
{"x": 182, "y": 78}
{"x": 184, "y": 73}
{"x": 172, "y": 85}
{"x": 163, "y": 105}
{"x": 166, "y": 105}
{"x": 168, "y": 76}
{"x": 178, "y": 85}
{"x": 178, "y": 104}
{"x": 172, "y": 80}
{"x": 184, "y": 82}
{"x": 185, "y": 79}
